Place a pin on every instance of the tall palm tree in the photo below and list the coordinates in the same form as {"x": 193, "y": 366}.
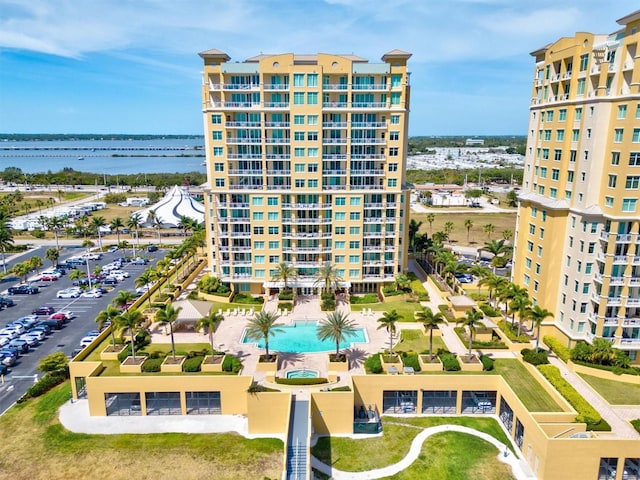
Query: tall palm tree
{"x": 145, "y": 278}
{"x": 285, "y": 272}
{"x": 134, "y": 222}
{"x": 448, "y": 228}
{"x": 468, "y": 224}
{"x": 519, "y": 304}
{"x": 167, "y": 316}
{"x": 35, "y": 262}
{"x": 6, "y": 238}
{"x": 431, "y": 218}
{"x": 22, "y": 270}
{"x": 430, "y": 320}
{"x": 116, "y": 224}
{"x": 471, "y": 320}
{"x": 414, "y": 228}
{"x": 131, "y": 321}
{"x": 489, "y": 228}
{"x": 388, "y": 322}
{"x": 498, "y": 248}
{"x": 54, "y": 224}
{"x": 108, "y": 316}
{"x": 210, "y": 323}
{"x": 537, "y": 314}
{"x": 337, "y": 327}
{"x": 97, "y": 223}
{"x": 123, "y": 298}
{"x": 262, "y": 326}
{"x": 329, "y": 277}
{"x": 494, "y": 283}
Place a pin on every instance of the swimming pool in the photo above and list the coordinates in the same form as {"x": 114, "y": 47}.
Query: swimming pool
{"x": 301, "y": 337}
{"x": 302, "y": 373}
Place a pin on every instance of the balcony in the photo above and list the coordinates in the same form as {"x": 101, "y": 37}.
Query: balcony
{"x": 306, "y": 206}
{"x": 372, "y": 156}
{"x": 234, "y": 86}
{"x": 598, "y": 277}
{"x": 278, "y": 187}
{"x": 373, "y": 205}
{"x": 333, "y": 141}
{"x": 244, "y": 156}
{"x": 610, "y": 321}
{"x": 368, "y": 141}
{"x": 633, "y": 302}
{"x": 243, "y": 124}
{"x": 614, "y": 301}
{"x": 601, "y": 257}
{"x": 276, "y": 104}
{"x": 236, "y": 140}
{"x": 369, "y": 105}
{"x": 278, "y": 156}
{"x": 372, "y": 86}
{"x": 378, "y": 172}
{"x": 279, "y": 172}
{"x": 242, "y": 105}
{"x": 334, "y": 105}
{"x": 620, "y": 259}
{"x": 334, "y": 187}
{"x": 616, "y": 281}
{"x": 372, "y": 234}
{"x": 239, "y": 219}
{"x": 277, "y": 141}
{"x": 366, "y": 187}
{"x": 243, "y": 171}
{"x": 631, "y": 322}
{"x": 334, "y": 125}
{"x": 276, "y": 86}
{"x": 636, "y": 260}
{"x": 595, "y": 297}
{"x": 634, "y": 282}
{"x": 335, "y": 86}
{"x": 245, "y": 187}
{"x": 368, "y": 124}
{"x": 277, "y": 124}
{"x": 334, "y": 156}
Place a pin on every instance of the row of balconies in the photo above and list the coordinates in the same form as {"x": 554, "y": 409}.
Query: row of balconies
{"x": 327, "y": 125}
{"x": 378, "y": 172}
{"x": 606, "y": 92}
{"x": 595, "y": 69}
{"x": 614, "y": 321}
{"x": 617, "y": 281}
{"x": 616, "y": 301}
{"x": 616, "y": 341}
{"x": 325, "y": 156}
{"x": 619, "y": 259}
{"x": 343, "y": 87}
{"x": 285, "y": 105}
{"x": 619, "y": 237}
{"x": 306, "y": 206}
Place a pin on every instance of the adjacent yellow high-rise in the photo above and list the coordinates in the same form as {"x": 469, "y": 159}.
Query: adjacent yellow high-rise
{"x": 577, "y": 241}
{"x": 306, "y": 163}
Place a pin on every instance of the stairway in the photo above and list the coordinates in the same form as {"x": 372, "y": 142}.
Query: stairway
{"x": 297, "y": 455}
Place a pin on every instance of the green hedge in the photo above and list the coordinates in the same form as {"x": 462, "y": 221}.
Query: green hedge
{"x": 361, "y": 299}
{"x": 231, "y": 364}
{"x": 285, "y": 296}
{"x": 192, "y": 364}
{"x": 562, "y": 351}
{"x": 42, "y": 386}
{"x": 609, "y": 368}
{"x": 535, "y": 357}
{"x": 487, "y": 363}
{"x": 586, "y": 413}
{"x": 512, "y": 333}
{"x": 450, "y": 362}
{"x": 373, "y": 364}
{"x": 636, "y": 424}
{"x": 488, "y": 310}
{"x": 464, "y": 338}
{"x": 301, "y": 381}
{"x": 152, "y": 365}
{"x": 247, "y": 299}
{"x": 410, "y": 359}
{"x": 287, "y": 305}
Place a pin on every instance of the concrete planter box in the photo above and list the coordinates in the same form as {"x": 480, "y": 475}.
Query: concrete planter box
{"x": 470, "y": 366}
{"x": 395, "y": 367}
{"x": 268, "y": 366}
{"x": 169, "y": 367}
{"x": 129, "y": 366}
{"x": 338, "y": 366}
{"x": 212, "y": 363}
{"x": 427, "y": 366}
{"x": 108, "y": 354}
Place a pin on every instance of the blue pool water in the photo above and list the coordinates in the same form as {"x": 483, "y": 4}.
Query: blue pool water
{"x": 301, "y": 337}
{"x": 302, "y": 374}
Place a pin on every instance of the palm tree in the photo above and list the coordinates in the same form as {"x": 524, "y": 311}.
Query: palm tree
{"x": 388, "y": 322}
{"x": 131, "y": 320}
{"x": 336, "y": 327}
{"x": 96, "y": 224}
{"x": 497, "y": 248}
{"x": 537, "y": 314}
{"x": 493, "y": 282}
{"x": 133, "y": 223}
{"x": 489, "y": 228}
{"x": 116, "y": 224}
{"x": 479, "y": 271}
{"x": 471, "y": 321}
{"x": 431, "y": 218}
{"x": 262, "y": 326}
{"x": 507, "y": 234}
{"x": 448, "y": 228}
{"x": 35, "y": 263}
{"x": 468, "y": 224}
{"x": 430, "y": 321}
{"x": 77, "y": 274}
{"x": 52, "y": 254}
{"x": 145, "y": 278}
{"x": 519, "y": 304}
{"x": 108, "y": 316}
{"x": 123, "y": 298}
{"x": 167, "y": 316}
{"x": 54, "y": 224}
{"x": 210, "y": 323}
{"x": 22, "y": 270}
{"x": 156, "y": 222}
{"x": 285, "y": 272}
{"x": 402, "y": 281}
{"x": 414, "y": 228}
{"x": 6, "y": 238}
{"x": 329, "y": 276}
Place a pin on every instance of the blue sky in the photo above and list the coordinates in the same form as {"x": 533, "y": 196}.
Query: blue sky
{"x": 131, "y": 66}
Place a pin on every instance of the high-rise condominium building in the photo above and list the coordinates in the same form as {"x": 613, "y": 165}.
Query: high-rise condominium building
{"x": 577, "y": 242}
{"x": 306, "y": 167}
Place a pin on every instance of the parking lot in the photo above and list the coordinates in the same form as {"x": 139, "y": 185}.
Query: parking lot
{"x": 24, "y": 373}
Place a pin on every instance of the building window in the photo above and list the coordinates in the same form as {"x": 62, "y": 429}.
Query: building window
{"x": 572, "y": 155}
{"x": 555, "y": 174}
{"x": 340, "y": 230}
{"x": 258, "y": 245}
{"x": 218, "y": 167}
{"x": 570, "y": 174}
{"x": 634, "y": 159}
{"x": 393, "y": 151}
{"x": 258, "y": 216}
{"x": 298, "y": 152}
{"x": 259, "y": 259}
{"x": 258, "y": 230}
{"x": 354, "y": 273}
{"x": 629, "y": 204}
{"x": 543, "y": 172}
{"x": 312, "y": 136}
{"x": 636, "y": 135}
{"x": 526, "y": 279}
{"x": 354, "y": 201}
{"x": 299, "y": 167}
{"x": 553, "y": 192}
{"x": 354, "y": 216}
{"x": 298, "y": 119}
{"x": 219, "y": 182}
{"x": 562, "y": 114}
{"x": 274, "y": 244}
{"x": 632, "y": 182}
{"x": 354, "y": 258}
{"x": 340, "y": 216}
{"x": 393, "y": 167}
{"x": 560, "y": 135}
{"x": 557, "y": 155}
{"x": 622, "y": 112}
{"x": 354, "y": 244}
{"x": 585, "y": 288}
{"x": 298, "y": 98}
{"x": 217, "y": 151}
{"x": 340, "y": 244}
{"x": 312, "y": 98}
{"x": 312, "y": 119}
{"x": 257, "y": 201}
{"x": 274, "y": 258}
{"x": 272, "y": 200}
{"x": 341, "y": 201}
{"x": 578, "y": 113}
{"x": 298, "y": 136}
{"x": 216, "y": 119}
{"x": 298, "y": 79}
{"x": 592, "y": 247}
{"x": 547, "y": 135}
{"x": 217, "y": 135}
{"x": 312, "y": 152}
{"x": 618, "y": 135}
{"x": 613, "y": 180}
{"x": 395, "y": 119}
{"x": 575, "y": 135}
{"x": 615, "y": 158}
{"x": 312, "y": 79}
{"x": 354, "y": 230}
{"x": 392, "y": 182}
{"x": 272, "y": 216}
{"x": 394, "y": 135}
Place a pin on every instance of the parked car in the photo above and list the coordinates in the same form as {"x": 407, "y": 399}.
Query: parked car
{"x": 6, "y": 302}
{"x": 67, "y": 293}
{"x": 67, "y": 313}
{"x": 8, "y": 358}
{"x": 81, "y": 282}
{"x": 93, "y": 293}
{"x": 139, "y": 261}
{"x": 19, "y": 328}
{"x": 21, "y": 345}
{"x": 110, "y": 281}
{"x": 29, "y": 321}
{"x": 86, "y": 341}
{"x": 46, "y": 329}
{"x": 152, "y": 248}
{"x": 54, "y": 272}
{"x": 39, "y": 334}
{"x": 53, "y": 324}
{"x": 8, "y": 333}
{"x": 112, "y": 249}
{"x": 23, "y": 290}
{"x": 43, "y": 311}
{"x": 31, "y": 340}
{"x": 59, "y": 316}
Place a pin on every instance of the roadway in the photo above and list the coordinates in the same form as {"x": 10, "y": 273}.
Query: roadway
{"x": 22, "y": 375}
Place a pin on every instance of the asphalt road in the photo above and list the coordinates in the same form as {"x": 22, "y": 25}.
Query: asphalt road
{"x": 23, "y": 374}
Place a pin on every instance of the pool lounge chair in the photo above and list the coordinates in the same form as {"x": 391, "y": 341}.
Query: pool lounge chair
{"x": 408, "y": 370}
{"x": 392, "y": 370}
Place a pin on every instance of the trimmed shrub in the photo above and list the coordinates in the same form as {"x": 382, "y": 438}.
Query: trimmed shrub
{"x": 328, "y": 304}
{"x": 556, "y": 347}
{"x": 126, "y": 352}
{"x": 487, "y": 363}
{"x": 247, "y": 299}
{"x": 488, "y": 310}
{"x": 636, "y": 424}
{"x": 586, "y": 413}
{"x": 152, "y": 365}
{"x": 464, "y": 338}
{"x": 535, "y": 357}
{"x": 450, "y": 362}
{"x": 344, "y": 388}
{"x": 610, "y": 368}
{"x": 192, "y": 364}
{"x": 213, "y": 285}
{"x": 285, "y": 295}
{"x": 42, "y": 386}
{"x": 231, "y": 364}
{"x": 512, "y": 332}
{"x": 373, "y": 364}
{"x": 366, "y": 298}
{"x": 301, "y": 381}
{"x": 410, "y": 359}
{"x": 287, "y": 305}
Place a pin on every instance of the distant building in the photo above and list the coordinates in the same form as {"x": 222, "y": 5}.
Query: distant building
{"x": 472, "y": 142}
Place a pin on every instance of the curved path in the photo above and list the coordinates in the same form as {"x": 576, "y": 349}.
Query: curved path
{"x": 519, "y": 469}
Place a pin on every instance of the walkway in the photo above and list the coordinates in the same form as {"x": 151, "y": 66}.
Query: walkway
{"x": 518, "y": 467}
{"x": 297, "y": 447}
{"x": 619, "y": 425}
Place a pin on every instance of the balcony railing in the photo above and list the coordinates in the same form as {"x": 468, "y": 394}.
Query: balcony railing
{"x": 242, "y": 140}
{"x": 245, "y": 187}
{"x": 374, "y": 172}
{"x": 277, "y": 141}
{"x": 334, "y": 125}
{"x": 335, "y": 86}
{"x": 276, "y": 86}
{"x": 368, "y": 124}
{"x": 331, "y": 141}
{"x": 276, "y": 104}
{"x": 277, "y": 124}
{"x": 240, "y": 156}
{"x": 366, "y": 187}
{"x": 334, "y": 105}
{"x": 242, "y": 171}
{"x": 278, "y": 156}
{"x": 372, "y": 86}
{"x": 369, "y": 104}
{"x": 369, "y": 141}
{"x": 278, "y": 172}
{"x": 242, "y": 124}
{"x": 235, "y": 104}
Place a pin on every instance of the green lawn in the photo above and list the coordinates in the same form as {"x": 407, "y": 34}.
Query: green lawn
{"x": 416, "y": 341}
{"x": 614, "y": 392}
{"x": 405, "y": 309}
{"x": 530, "y": 392}
{"x": 42, "y": 449}
{"x": 456, "y": 455}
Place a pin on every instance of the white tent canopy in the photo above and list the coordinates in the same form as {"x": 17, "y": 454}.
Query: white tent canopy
{"x": 176, "y": 203}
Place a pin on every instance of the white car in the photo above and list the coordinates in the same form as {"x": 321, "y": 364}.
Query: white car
{"x": 39, "y": 334}
{"x": 121, "y": 273}
{"x": 86, "y": 341}
{"x": 67, "y": 313}
{"x": 67, "y": 293}
{"x": 31, "y": 340}
{"x": 112, "y": 249}
{"x": 9, "y": 334}
{"x": 4, "y": 341}
{"x": 93, "y": 293}
{"x": 51, "y": 273}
